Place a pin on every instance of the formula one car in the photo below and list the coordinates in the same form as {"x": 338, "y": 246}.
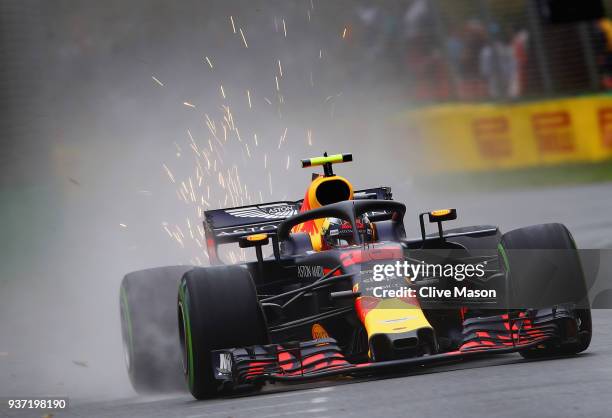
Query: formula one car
{"x": 342, "y": 293}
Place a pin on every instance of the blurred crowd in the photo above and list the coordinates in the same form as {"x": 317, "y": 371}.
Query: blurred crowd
{"x": 440, "y": 57}
{"x": 421, "y": 50}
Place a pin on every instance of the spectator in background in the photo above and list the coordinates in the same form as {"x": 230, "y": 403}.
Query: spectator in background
{"x": 417, "y": 19}
{"x": 497, "y": 65}
{"x": 369, "y": 17}
{"x": 455, "y": 47}
{"x": 519, "y": 45}
{"x": 391, "y": 27}
{"x": 473, "y": 39}
{"x": 603, "y": 30}
{"x": 427, "y": 70}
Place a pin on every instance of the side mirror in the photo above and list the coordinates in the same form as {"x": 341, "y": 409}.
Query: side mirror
{"x": 257, "y": 241}
{"x": 437, "y": 216}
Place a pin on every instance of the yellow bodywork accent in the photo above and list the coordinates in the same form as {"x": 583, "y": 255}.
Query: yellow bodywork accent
{"x": 333, "y": 159}
{"x": 316, "y": 240}
{"x": 312, "y": 189}
{"x": 392, "y": 316}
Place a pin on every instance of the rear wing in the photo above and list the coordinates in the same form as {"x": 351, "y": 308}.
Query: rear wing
{"x": 223, "y": 226}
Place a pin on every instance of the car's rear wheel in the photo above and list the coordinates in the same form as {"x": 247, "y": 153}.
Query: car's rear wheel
{"x": 147, "y": 301}
{"x": 217, "y": 308}
{"x": 544, "y": 270}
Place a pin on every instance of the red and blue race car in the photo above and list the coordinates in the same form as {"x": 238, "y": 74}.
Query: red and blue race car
{"x": 343, "y": 291}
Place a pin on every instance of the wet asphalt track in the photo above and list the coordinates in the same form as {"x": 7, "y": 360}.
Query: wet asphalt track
{"x": 501, "y": 386}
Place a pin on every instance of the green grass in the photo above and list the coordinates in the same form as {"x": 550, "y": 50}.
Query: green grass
{"x": 533, "y": 177}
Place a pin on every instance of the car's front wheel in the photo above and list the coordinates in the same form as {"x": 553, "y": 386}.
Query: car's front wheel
{"x": 217, "y": 308}
{"x": 544, "y": 270}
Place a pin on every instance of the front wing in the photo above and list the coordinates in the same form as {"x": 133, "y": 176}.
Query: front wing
{"x": 323, "y": 358}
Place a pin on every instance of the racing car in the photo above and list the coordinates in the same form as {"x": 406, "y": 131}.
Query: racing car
{"x": 318, "y": 305}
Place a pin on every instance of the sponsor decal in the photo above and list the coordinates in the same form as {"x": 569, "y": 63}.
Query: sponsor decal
{"x": 319, "y": 332}
{"x": 605, "y": 126}
{"x": 492, "y": 137}
{"x": 225, "y": 363}
{"x": 248, "y": 230}
{"x": 392, "y": 321}
{"x": 271, "y": 211}
{"x": 309, "y": 271}
{"x": 553, "y": 131}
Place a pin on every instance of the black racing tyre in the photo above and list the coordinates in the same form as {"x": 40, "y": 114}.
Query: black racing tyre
{"x": 217, "y": 308}
{"x": 544, "y": 270}
{"x": 148, "y": 326}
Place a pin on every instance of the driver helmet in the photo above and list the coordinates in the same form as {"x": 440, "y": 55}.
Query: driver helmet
{"x": 339, "y": 233}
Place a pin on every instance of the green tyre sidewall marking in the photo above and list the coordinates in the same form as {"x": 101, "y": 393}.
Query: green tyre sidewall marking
{"x": 184, "y": 297}
{"x": 126, "y": 314}
{"x": 502, "y": 251}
